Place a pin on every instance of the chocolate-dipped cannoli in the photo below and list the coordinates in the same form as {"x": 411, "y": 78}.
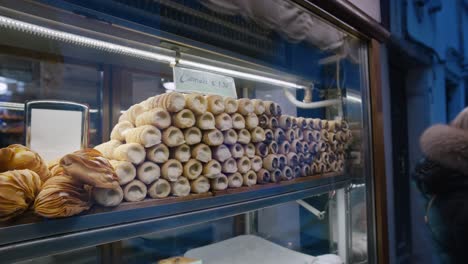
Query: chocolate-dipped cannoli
{"x": 263, "y": 176}
{"x": 245, "y": 106}
{"x": 206, "y": 121}
{"x": 290, "y": 135}
{"x": 296, "y": 146}
{"x": 157, "y": 117}
{"x": 171, "y": 170}
{"x": 215, "y": 104}
{"x": 243, "y": 165}
{"x": 276, "y": 175}
{"x": 273, "y": 147}
{"x": 118, "y": 132}
{"x": 259, "y": 106}
{"x": 238, "y": 121}
{"x": 279, "y": 135}
{"x": 192, "y": 135}
{"x": 196, "y": 102}
{"x": 316, "y": 124}
{"x": 211, "y": 169}
{"x": 270, "y": 108}
{"x": 213, "y": 137}
{"x": 284, "y": 147}
{"x": 263, "y": 121}
{"x": 299, "y": 133}
{"x": 306, "y": 171}
{"x": 269, "y": 135}
{"x": 237, "y": 151}
{"x": 180, "y": 187}
{"x": 249, "y": 150}
{"x": 148, "y": 172}
{"x": 159, "y": 189}
{"x": 271, "y": 162}
{"x": 235, "y": 180}
{"x": 192, "y": 169}
{"x": 243, "y": 136}
{"x": 183, "y": 119}
{"x": 282, "y": 161}
{"x": 230, "y": 137}
{"x": 298, "y": 172}
{"x": 158, "y": 153}
{"x": 125, "y": 171}
{"x": 273, "y": 123}
{"x": 135, "y": 191}
{"x": 230, "y": 105}
{"x": 256, "y": 163}
{"x": 261, "y": 149}
{"x": 173, "y": 137}
{"x": 223, "y": 122}
{"x": 221, "y": 153}
{"x": 146, "y": 135}
{"x": 251, "y": 121}
{"x": 132, "y": 113}
{"x": 107, "y": 149}
{"x": 202, "y": 152}
{"x": 303, "y": 123}
{"x": 108, "y": 197}
{"x": 250, "y": 178}
{"x": 200, "y": 185}
{"x": 292, "y": 159}
{"x": 220, "y": 183}
{"x": 181, "y": 153}
{"x": 229, "y": 166}
{"x": 287, "y": 174}
{"x": 257, "y": 135}
{"x": 285, "y": 122}
{"x": 173, "y": 102}
{"x": 133, "y": 152}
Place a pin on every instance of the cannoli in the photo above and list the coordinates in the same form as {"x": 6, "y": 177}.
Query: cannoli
{"x": 171, "y": 170}
{"x": 271, "y": 162}
{"x": 183, "y": 119}
{"x": 287, "y": 174}
{"x": 250, "y": 178}
{"x": 282, "y": 161}
{"x": 309, "y": 136}
{"x": 135, "y": 191}
{"x": 314, "y": 169}
{"x": 263, "y": 176}
{"x": 181, "y": 153}
{"x": 257, "y": 163}
{"x": 200, "y": 185}
{"x": 301, "y": 158}
{"x": 321, "y": 168}
{"x": 243, "y": 136}
{"x": 118, "y": 132}
{"x": 229, "y": 166}
{"x": 259, "y": 106}
{"x": 215, "y": 104}
{"x": 192, "y": 135}
{"x": 273, "y": 147}
{"x": 180, "y": 187}
{"x": 324, "y": 124}
{"x": 202, "y": 152}
{"x": 148, "y": 172}
{"x": 211, "y": 169}
{"x": 290, "y": 135}
{"x": 192, "y": 169}
{"x": 299, "y": 133}
{"x": 235, "y": 180}
{"x": 305, "y": 147}
{"x": 251, "y": 121}
{"x": 331, "y": 137}
{"x": 306, "y": 171}
{"x": 303, "y": 122}
{"x": 158, "y": 153}
{"x": 296, "y": 146}
{"x": 269, "y": 135}
{"x": 279, "y": 135}
{"x": 340, "y": 166}
{"x": 332, "y": 126}
{"x": 173, "y": 102}
{"x": 223, "y": 122}
{"x": 237, "y": 151}
{"x": 107, "y": 149}
{"x": 316, "y": 124}
{"x": 249, "y": 150}
{"x": 284, "y": 147}
{"x": 334, "y": 166}
{"x": 309, "y": 124}
{"x": 230, "y": 137}
{"x": 157, "y": 117}
{"x": 125, "y": 171}
{"x": 285, "y": 122}
{"x": 298, "y": 172}
{"x": 292, "y": 159}
{"x": 230, "y": 105}
{"x": 221, "y": 153}
{"x": 108, "y": 197}
{"x": 173, "y": 137}
{"x": 132, "y": 113}
{"x": 238, "y": 121}
{"x": 159, "y": 189}
{"x": 261, "y": 149}
{"x": 146, "y": 135}
{"x": 220, "y": 183}
{"x": 273, "y": 123}
{"x": 206, "y": 121}
{"x": 243, "y": 165}
{"x": 323, "y": 158}
{"x": 196, "y": 102}
{"x": 257, "y": 135}
{"x": 245, "y": 106}
{"x": 270, "y": 108}
{"x": 133, "y": 152}
{"x": 263, "y": 121}
{"x": 213, "y": 137}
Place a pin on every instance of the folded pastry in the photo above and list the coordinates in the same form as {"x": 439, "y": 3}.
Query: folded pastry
{"x": 181, "y": 153}
{"x": 243, "y": 136}
{"x": 221, "y": 153}
{"x": 275, "y": 175}
{"x": 293, "y": 160}
{"x": 124, "y": 170}
{"x": 324, "y": 157}
{"x": 238, "y": 121}
{"x": 223, "y": 122}
{"x": 192, "y": 135}
{"x": 108, "y": 197}
{"x": 118, "y": 132}
{"x": 296, "y": 146}
{"x": 257, "y": 135}
{"x": 273, "y": 147}
{"x": 249, "y": 150}
{"x": 284, "y": 147}
{"x": 206, "y": 121}
{"x": 215, "y": 104}
{"x": 245, "y": 106}
{"x": 271, "y": 162}
{"x": 158, "y": 153}
{"x": 230, "y": 105}
{"x": 157, "y": 117}
{"x": 171, "y": 170}
{"x": 173, "y": 137}
{"x": 172, "y": 102}
{"x": 192, "y": 169}
{"x": 256, "y": 163}
{"x": 243, "y": 165}
{"x": 183, "y": 119}
{"x": 282, "y": 161}
{"x": 196, "y": 102}
{"x": 237, "y": 151}
{"x": 290, "y": 135}
{"x": 287, "y": 174}
{"x": 146, "y": 135}
{"x": 229, "y": 166}
{"x": 150, "y": 103}
{"x": 251, "y": 121}
{"x": 159, "y": 189}
{"x": 18, "y": 189}
{"x": 200, "y": 185}
{"x": 279, "y": 135}
{"x": 263, "y": 121}
{"x": 19, "y": 157}
{"x": 235, "y": 180}
{"x": 263, "y": 176}
{"x": 285, "y": 122}
{"x": 202, "y": 152}
{"x": 148, "y": 172}
{"x": 261, "y": 149}
{"x": 230, "y": 137}
{"x": 90, "y": 167}
{"x": 250, "y": 178}
{"x": 306, "y": 171}
{"x": 259, "y": 106}
{"x": 132, "y": 113}
{"x": 211, "y": 169}
{"x": 213, "y": 137}
{"x": 135, "y": 191}
{"x": 133, "y": 152}
{"x": 180, "y": 187}
{"x": 219, "y": 183}
{"x": 108, "y": 148}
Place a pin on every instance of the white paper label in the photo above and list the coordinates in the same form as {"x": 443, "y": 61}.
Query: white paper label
{"x": 188, "y": 80}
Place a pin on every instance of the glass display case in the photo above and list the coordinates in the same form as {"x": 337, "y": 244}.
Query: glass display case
{"x": 113, "y": 55}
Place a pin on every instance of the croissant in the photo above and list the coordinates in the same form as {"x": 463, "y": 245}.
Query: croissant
{"x": 285, "y": 122}
{"x": 237, "y": 151}
{"x": 256, "y": 163}
{"x": 18, "y": 189}
{"x": 124, "y": 170}
{"x": 257, "y": 135}
{"x": 249, "y": 150}
{"x": 192, "y": 169}
{"x": 180, "y": 187}
{"x": 213, "y": 137}
{"x": 206, "y": 121}
{"x": 159, "y": 189}
{"x": 259, "y": 106}
{"x": 135, "y": 191}
{"x": 133, "y": 152}
{"x": 275, "y": 175}
{"x": 221, "y": 153}
{"x": 235, "y": 180}
{"x": 132, "y": 113}
{"x": 251, "y": 121}
{"x": 238, "y": 121}
{"x": 271, "y": 162}
{"x": 284, "y": 147}
{"x": 173, "y": 137}
{"x": 196, "y": 102}
{"x": 263, "y": 176}
{"x": 243, "y": 165}
{"x": 108, "y": 197}
{"x": 245, "y": 106}
{"x": 181, "y": 153}
{"x": 148, "y": 172}
{"x": 230, "y": 105}
{"x": 261, "y": 149}
{"x": 202, "y": 152}
{"x": 230, "y": 137}
{"x": 223, "y": 122}
{"x": 146, "y": 135}
{"x": 273, "y": 147}
{"x": 220, "y": 183}
{"x": 243, "y": 136}
{"x": 118, "y": 132}
{"x": 287, "y": 174}
{"x": 108, "y": 148}
{"x": 171, "y": 170}
{"x": 173, "y": 101}
{"x": 229, "y": 166}
{"x": 158, "y": 153}
{"x": 157, "y": 117}
{"x": 250, "y": 178}
{"x": 290, "y": 135}
{"x": 192, "y": 135}
{"x": 200, "y": 185}
{"x": 215, "y": 104}
{"x": 18, "y": 157}
{"x": 184, "y": 119}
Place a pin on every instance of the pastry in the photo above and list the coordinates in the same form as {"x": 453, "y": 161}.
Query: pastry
{"x": 148, "y": 172}
{"x": 270, "y": 108}
{"x": 135, "y": 191}
{"x": 108, "y": 197}
{"x": 230, "y": 137}
{"x": 173, "y": 102}
{"x": 298, "y": 172}
{"x": 200, "y": 185}
{"x": 181, "y": 153}
{"x": 196, "y": 103}
{"x": 303, "y": 122}
{"x": 290, "y": 135}
{"x": 305, "y": 171}
{"x": 215, "y": 104}
{"x": 229, "y": 166}
{"x": 273, "y": 147}
{"x": 263, "y": 121}
{"x": 19, "y": 157}
{"x": 276, "y": 175}
{"x": 157, "y": 117}
{"x": 108, "y": 148}
{"x": 269, "y": 135}
{"x": 223, "y": 122}
{"x": 221, "y": 153}
{"x": 192, "y": 169}
{"x": 285, "y": 122}
{"x": 294, "y": 122}
{"x": 284, "y": 147}
{"x": 238, "y": 121}
{"x": 324, "y": 124}
{"x": 146, "y": 135}
{"x": 158, "y": 153}
{"x": 263, "y": 176}
{"x": 192, "y": 135}
{"x": 272, "y": 123}
{"x": 213, "y": 137}
{"x": 243, "y": 165}
{"x": 282, "y": 161}
{"x": 245, "y": 106}
{"x": 180, "y": 187}
{"x": 133, "y": 152}
{"x": 259, "y": 106}
{"x": 261, "y": 149}
{"x": 271, "y": 162}
{"x": 159, "y": 189}
{"x": 220, "y": 183}
{"x": 119, "y": 130}
{"x": 124, "y": 170}
{"x": 251, "y": 121}
{"x": 132, "y": 113}
{"x": 279, "y": 135}
{"x": 316, "y": 124}
{"x": 287, "y": 174}
{"x": 305, "y": 147}
{"x": 333, "y": 126}
{"x": 235, "y": 180}
{"x": 249, "y": 150}
{"x": 296, "y": 146}
{"x": 257, "y": 134}
{"x": 237, "y": 151}
{"x": 250, "y": 178}
{"x": 179, "y": 260}
{"x": 243, "y": 136}
{"x": 171, "y": 170}
{"x": 183, "y": 119}
{"x": 230, "y": 105}
{"x": 293, "y": 160}
{"x": 211, "y": 169}
{"x": 202, "y": 152}
{"x": 256, "y": 163}
{"x": 309, "y": 136}
{"x": 206, "y": 121}
{"x": 173, "y": 137}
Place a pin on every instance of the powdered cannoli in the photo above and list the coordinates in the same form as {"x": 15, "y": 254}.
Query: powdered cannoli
{"x": 316, "y": 124}
{"x": 237, "y": 151}
{"x": 180, "y": 187}
{"x": 183, "y": 119}
{"x": 245, "y": 106}
{"x": 282, "y": 161}
{"x": 298, "y": 172}
{"x": 206, "y": 121}
{"x": 197, "y": 103}
{"x": 181, "y": 153}
{"x": 230, "y": 137}
{"x": 271, "y": 162}
{"x": 263, "y": 121}
{"x": 229, "y": 166}
{"x": 257, "y": 134}
{"x": 250, "y": 178}
{"x": 257, "y": 163}
{"x": 213, "y": 137}
{"x": 276, "y": 175}
{"x": 202, "y": 152}
{"x": 192, "y": 169}
{"x": 251, "y": 121}
{"x": 192, "y": 135}
{"x": 132, "y": 113}
{"x": 211, "y": 169}
{"x": 221, "y": 153}
{"x": 285, "y": 122}
{"x": 296, "y": 146}
{"x": 249, "y": 150}
{"x": 306, "y": 171}
{"x": 108, "y": 197}
{"x": 133, "y": 152}
{"x": 235, "y": 180}
{"x": 146, "y": 135}
{"x": 270, "y": 108}
{"x": 171, "y": 170}
{"x": 200, "y": 185}
{"x": 223, "y": 122}
{"x": 173, "y": 137}
{"x": 135, "y": 191}
{"x": 220, "y": 183}
{"x": 303, "y": 122}
{"x": 273, "y": 123}
{"x": 259, "y": 106}
{"x": 290, "y": 135}
{"x": 215, "y": 104}
{"x": 243, "y": 136}
{"x": 230, "y": 105}
{"x": 243, "y": 165}
{"x": 158, "y": 153}
{"x": 125, "y": 171}
{"x": 305, "y": 147}
{"x": 173, "y": 102}
{"x": 279, "y": 135}
{"x": 238, "y": 121}
{"x": 287, "y": 174}
{"x": 263, "y": 176}
{"x": 273, "y": 147}
{"x": 148, "y": 172}
{"x": 261, "y": 149}
{"x": 293, "y": 160}
{"x": 107, "y": 149}
{"x": 159, "y": 189}
{"x": 284, "y": 147}
{"x": 157, "y": 117}
{"x": 269, "y": 135}
{"x": 118, "y": 132}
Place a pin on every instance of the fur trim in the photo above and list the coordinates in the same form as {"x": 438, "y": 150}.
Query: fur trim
{"x": 446, "y": 145}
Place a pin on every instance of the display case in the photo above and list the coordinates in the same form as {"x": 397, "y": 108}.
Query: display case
{"x": 309, "y": 71}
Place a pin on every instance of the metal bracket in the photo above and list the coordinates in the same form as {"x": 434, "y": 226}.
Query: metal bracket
{"x": 319, "y": 214}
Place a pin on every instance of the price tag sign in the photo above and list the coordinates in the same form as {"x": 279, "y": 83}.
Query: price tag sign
{"x": 189, "y": 81}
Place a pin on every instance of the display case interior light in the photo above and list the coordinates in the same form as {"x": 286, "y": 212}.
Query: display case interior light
{"x": 354, "y": 98}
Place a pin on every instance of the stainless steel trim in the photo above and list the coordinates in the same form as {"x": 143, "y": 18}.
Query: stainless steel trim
{"x": 12, "y": 106}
